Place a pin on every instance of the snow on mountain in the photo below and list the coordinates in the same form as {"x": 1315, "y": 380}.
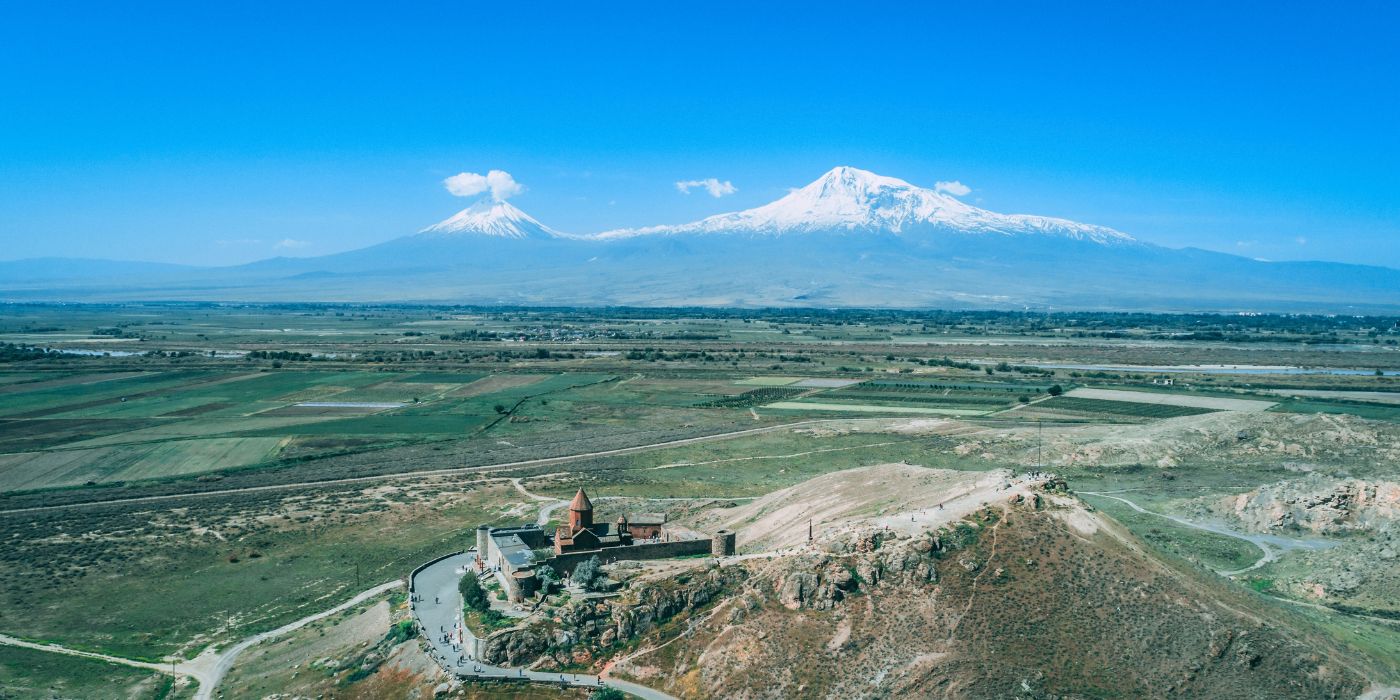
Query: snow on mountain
{"x": 854, "y": 200}
{"x": 492, "y": 218}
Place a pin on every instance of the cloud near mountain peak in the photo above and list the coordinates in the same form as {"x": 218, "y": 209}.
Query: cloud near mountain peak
{"x": 712, "y": 185}
{"x": 499, "y": 183}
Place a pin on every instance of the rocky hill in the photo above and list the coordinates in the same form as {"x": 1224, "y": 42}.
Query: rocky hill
{"x": 1027, "y": 593}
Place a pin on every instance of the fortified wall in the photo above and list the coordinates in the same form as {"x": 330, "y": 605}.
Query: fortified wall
{"x": 565, "y": 563}
{"x": 512, "y": 550}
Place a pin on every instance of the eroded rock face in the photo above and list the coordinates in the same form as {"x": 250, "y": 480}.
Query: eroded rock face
{"x": 514, "y": 647}
{"x": 602, "y": 623}
{"x": 866, "y": 558}
{"x": 1317, "y": 504}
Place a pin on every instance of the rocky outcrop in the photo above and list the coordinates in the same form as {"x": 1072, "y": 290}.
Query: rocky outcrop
{"x": 514, "y": 647}
{"x": 601, "y": 623}
{"x": 865, "y": 558}
{"x": 1317, "y": 504}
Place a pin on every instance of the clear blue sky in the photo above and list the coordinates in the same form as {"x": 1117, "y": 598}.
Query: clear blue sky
{"x": 211, "y": 132}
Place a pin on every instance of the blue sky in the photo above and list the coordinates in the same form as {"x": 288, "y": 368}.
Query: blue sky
{"x": 218, "y": 133}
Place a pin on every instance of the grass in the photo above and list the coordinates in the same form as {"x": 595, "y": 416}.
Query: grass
{"x": 38, "y": 470}
{"x": 278, "y": 560}
{"x": 152, "y": 579}
{"x": 1216, "y": 552}
{"x": 749, "y": 466}
{"x": 27, "y": 674}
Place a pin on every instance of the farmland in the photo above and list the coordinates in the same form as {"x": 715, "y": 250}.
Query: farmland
{"x": 224, "y": 469}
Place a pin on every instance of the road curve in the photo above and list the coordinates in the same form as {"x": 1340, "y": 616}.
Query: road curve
{"x": 219, "y": 664}
{"x": 452, "y": 644}
{"x": 1271, "y": 546}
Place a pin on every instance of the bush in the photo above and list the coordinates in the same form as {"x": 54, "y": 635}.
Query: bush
{"x": 587, "y": 574}
{"x": 607, "y": 694}
{"x": 402, "y": 632}
{"x": 473, "y": 597}
{"x": 548, "y": 578}
{"x": 1056, "y": 390}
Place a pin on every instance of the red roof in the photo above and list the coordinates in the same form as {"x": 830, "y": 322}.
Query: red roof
{"x": 581, "y": 502}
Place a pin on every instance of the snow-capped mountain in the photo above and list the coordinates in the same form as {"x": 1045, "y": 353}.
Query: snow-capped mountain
{"x": 850, "y": 239}
{"x": 492, "y": 218}
{"x": 853, "y": 200}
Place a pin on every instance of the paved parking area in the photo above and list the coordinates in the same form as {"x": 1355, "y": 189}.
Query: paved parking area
{"x": 438, "y": 609}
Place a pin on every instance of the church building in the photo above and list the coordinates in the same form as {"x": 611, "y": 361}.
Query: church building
{"x": 581, "y": 534}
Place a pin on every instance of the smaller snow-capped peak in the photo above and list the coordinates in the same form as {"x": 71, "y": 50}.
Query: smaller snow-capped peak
{"x": 854, "y": 200}
{"x": 492, "y": 218}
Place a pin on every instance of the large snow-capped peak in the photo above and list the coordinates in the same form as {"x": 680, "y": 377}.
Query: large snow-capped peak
{"x": 848, "y": 199}
{"x": 493, "y": 218}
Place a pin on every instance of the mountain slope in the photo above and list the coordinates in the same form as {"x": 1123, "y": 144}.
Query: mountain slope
{"x": 853, "y": 200}
{"x": 1033, "y": 598}
{"x": 492, "y": 218}
{"x": 850, "y": 239}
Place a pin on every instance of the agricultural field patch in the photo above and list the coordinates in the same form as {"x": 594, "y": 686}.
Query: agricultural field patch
{"x": 383, "y": 424}
{"x": 40, "y": 433}
{"x": 869, "y": 408}
{"x": 755, "y": 397}
{"x": 1383, "y": 397}
{"x": 36, "y": 470}
{"x": 1364, "y": 410}
{"x": 328, "y": 409}
{"x": 768, "y": 381}
{"x": 16, "y": 383}
{"x": 820, "y": 383}
{"x": 1082, "y": 408}
{"x": 1214, "y": 403}
{"x": 442, "y": 378}
{"x": 497, "y": 382}
{"x": 54, "y": 400}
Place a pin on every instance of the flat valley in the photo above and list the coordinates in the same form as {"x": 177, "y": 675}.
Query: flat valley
{"x": 231, "y": 500}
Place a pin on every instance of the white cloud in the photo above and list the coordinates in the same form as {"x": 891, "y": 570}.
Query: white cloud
{"x": 955, "y": 188}
{"x": 290, "y": 244}
{"x": 711, "y": 185}
{"x": 1301, "y": 241}
{"x": 498, "y": 182}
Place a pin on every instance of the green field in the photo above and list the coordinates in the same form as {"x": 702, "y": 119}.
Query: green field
{"x": 27, "y": 674}
{"x": 266, "y": 511}
{"x": 1073, "y": 407}
{"x": 36, "y": 470}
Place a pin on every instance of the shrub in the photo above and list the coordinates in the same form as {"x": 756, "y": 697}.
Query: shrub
{"x": 587, "y": 574}
{"x": 473, "y": 597}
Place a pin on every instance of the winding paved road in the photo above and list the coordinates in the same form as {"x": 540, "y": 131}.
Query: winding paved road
{"x": 452, "y": 644}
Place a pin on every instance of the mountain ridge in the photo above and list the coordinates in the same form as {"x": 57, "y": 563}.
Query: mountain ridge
{"x": 854, "y": 200}
{"x": 851, "y": 238}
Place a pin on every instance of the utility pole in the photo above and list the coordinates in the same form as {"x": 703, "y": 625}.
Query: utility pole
{"x": 1039, "y": 440}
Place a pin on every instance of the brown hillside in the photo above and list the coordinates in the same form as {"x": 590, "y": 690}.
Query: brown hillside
{"x": 1014, "y": 602}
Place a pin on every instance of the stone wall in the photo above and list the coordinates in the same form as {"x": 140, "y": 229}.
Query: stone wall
{"x": 564, "y": 563}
